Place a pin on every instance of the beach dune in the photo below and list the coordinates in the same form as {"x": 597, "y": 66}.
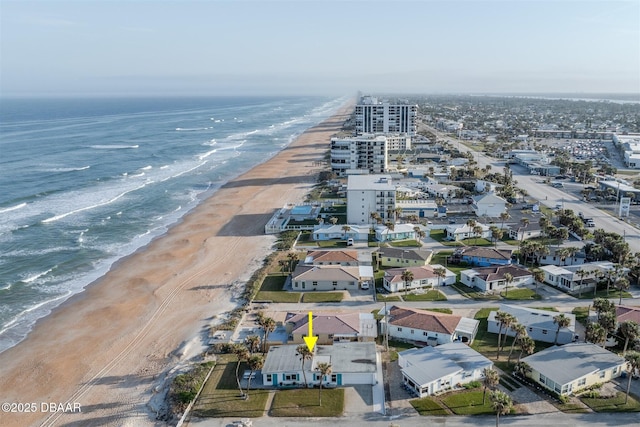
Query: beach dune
{"x": 108, "y": 350}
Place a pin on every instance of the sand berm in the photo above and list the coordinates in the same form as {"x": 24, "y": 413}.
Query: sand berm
{"x": 108, "y": 348}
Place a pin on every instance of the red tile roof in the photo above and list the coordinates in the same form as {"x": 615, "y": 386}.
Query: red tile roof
{"x": 624, "y": 313}
{"x": 424, "y": 320}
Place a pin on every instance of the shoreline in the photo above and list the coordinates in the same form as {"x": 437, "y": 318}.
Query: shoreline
{"x": 109, "y": 347}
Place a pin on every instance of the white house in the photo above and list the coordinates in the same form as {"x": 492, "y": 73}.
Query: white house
{"x": 429, "y": 370}
{"x": 351, "y": 363}
{"x": 492, "y": 279}
{"x": 457, "y": 232}
{"x": 359, "y": 233}
{"x": 399, "y": 232}
{"x": 539, "y": 324}
{"x": 570, "y": 279}
{"x": 488, "y": 205}
{"x": 433, "y": 328}
{"x": 571, "y": 367}
{"x": 486, "y": 186}
{"x": 367, "y": 194}
{"x": 424, "y": 276}
{"x": 552, "y": 258}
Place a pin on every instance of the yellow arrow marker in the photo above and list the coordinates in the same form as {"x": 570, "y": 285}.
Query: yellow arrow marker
{"x": 310, "y": 339}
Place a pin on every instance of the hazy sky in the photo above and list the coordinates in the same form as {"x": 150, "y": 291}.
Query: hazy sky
{"x": 318, "y": 47}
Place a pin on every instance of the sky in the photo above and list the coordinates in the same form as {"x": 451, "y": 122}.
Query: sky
{"x": 308, "y": 47}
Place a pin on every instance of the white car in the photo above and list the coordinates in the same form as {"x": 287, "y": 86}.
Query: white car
{"x": 364, "y": 285}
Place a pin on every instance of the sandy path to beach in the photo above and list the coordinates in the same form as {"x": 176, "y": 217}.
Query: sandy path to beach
{"x": 108, "y": 348}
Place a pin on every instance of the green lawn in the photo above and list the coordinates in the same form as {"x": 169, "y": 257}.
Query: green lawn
{"x": 520, "y": 294}
{"x": 220, "y": 396}
{"x": 613, "y": 293}
{"x": 582, "y": 314}
{"x": 323, "y": 297}
{"x": 439, "y": 310}
{"x": 278, "y": 296}
{"x": 389, "y": 298}
{"x": 430, "y": 295}
{"x": 468, "y": 292}
{"x": 305, "y": 403}
{"x": 613, "y": 404}
{"x": 273, "y": 282}
{"x": 440, "y": 236}
{"x": 480, "y": 241}
{"x": 427, "y": 406}
{"x": 331, "y": 243}
{"x": 405, "y": 244}
{"x": 468, "y": 403}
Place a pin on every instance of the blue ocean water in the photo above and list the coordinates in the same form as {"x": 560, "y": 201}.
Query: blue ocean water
{"x": 85, "y": 182}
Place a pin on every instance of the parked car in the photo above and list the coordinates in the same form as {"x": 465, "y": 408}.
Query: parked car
{"x": 364, "y": 285}
{"x": 349, "y": 242}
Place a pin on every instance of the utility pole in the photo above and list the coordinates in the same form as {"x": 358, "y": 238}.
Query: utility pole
{"x": 386, "y": 327}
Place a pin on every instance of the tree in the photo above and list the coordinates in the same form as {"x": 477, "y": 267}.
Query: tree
{"x": 504, "y": 321}
{"x": 581, "y": 274}
{"x": 490, "y": 379}
{"x": 621, "y": 285}
{"x": 633, "y": 363}
{"x": 305, "y": 354}
{"x": 407, "y": 278}
{"x": 630, "y": 331}
{"x": 501, "y": 403}
{"x": 345, "y": 230}
{"x": 508, "y": 278}
{"x": 519, "y": 331}
{"x": 504, "y": 216}
{"x": 562, "y": 321}
{"x": 242, "y": 353}
{"x": 524, "y": 224}
{"x": 527, "y": 346}
{"x": 603, "y": 305}
{"x": 255, "y": 364}
{"x": 440, "y": 272}
{"x": 595, "y": 333}
{"x": 253, "y": 343}
{"x": 292, "y": 257}
{"x": 324, "y": 369}
{"x": 477, "y": 232}
{"x": 420, "y": 234}
{"x": 538, "y": 277}
{"x": 333, "y": 220}
{"x": 268, "y": 324}
{"x": 608, "y": 321}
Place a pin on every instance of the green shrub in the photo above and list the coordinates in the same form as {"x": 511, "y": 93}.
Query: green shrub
{"x": 472, "y": 384}
{"x": 184, "y": 387}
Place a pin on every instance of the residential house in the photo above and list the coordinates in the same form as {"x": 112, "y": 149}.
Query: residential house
{"x": 624, "y": 313}
{"x": 424, "y": 276}
{"x": 481, "y": 256}
{"x": 492, "y": 279}
{"x": 520, "y": 232}
{"x": 422, "y": 208}
{"x": 569, "y": 279}
{"x": 345, "y": 258}
{"x": 332, "y": 327}
{"x": 572, "y": 367}
{"x": 429, "y": 370}
{"x": 329, "y": 277}
{"x": 398, "y": 232}
{"x": 552, "y": 258}
{"x": 359, "y": 233}
{"x": 539, "y": 324}
{"x": 488, "y": 205}
{"x": 457, "y": 232}
{"x": 486, "y": 186}
{"x": 399, "y": 257}
{"x": 351, "y": 364}
{"x": 433, "y": 328}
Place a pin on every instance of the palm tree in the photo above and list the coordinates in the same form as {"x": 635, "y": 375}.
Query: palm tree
{"x": 501, "y": 403}
{"x": 253, "y": 343}
{"x": 242, "y": 353}
{"x": 621, "y": 285}
{"x": 630, "y": 330}
{"x": 471, "y": 223}
{"x": 345, "y": 230}
{"x": 292, "y": 257}
{"x": 477, "y": 232}
{"x": 419, "y": 232}
{"x": 333, "y": 220}
{"x": 608, "y": 321}
{"x": 603, "y": 305}
{"x": 595, "y": 333}
{"x": 407, "y": 277}
{"x": 504, "y": 320}
{"x": 562, "y": 321}
{"x": 524, "y": 224}
{"x": 440, "y": 272}
{"x": 527, "y": 346}
{"x": 305, "y": 354}
{"x": 255, "y": 364}
{"x": 324, "y": 369}
{"x": 490, "y": 379}
{"x": 508, "y": 278}
{"x": 520, "y": 331}
{"x": 538, "y": 277}
{"x": 268, "y": 324}
{"x": 504, "y": 216}
{"x": 581, "y": 274}
{"x": 633, "y": 363}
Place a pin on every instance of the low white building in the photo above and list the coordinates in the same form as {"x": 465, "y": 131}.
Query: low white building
{"x": 399, "y": 232}
{"x": 539, "y": 324}
{"x": 569, "y": 278}
{"x": 488, "y": 205}
{"x": 457, "y": 232}
{"x": 359, "y": 233}
{"x": 492, "y": 279}
{"x": 423, "y": 277}
{"x": 429, "y": 370}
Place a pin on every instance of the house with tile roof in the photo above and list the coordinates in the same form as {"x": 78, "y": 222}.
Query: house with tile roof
{"x": 344, "y": 257}
{"x": 400, "y": 257}
{"x": 423, "y": 277}
{"x": 539, "y": 324}
{"x": 351, "y": 364}
{"x": 481, "y": 256}
{"x": 572, "y": 367}
{"x": 430, "y": 327}
{"x": 492, "y": 279}
{"x": 430, "y": 370}
{"x": 329, "y": 277}
{"x": 624, "y": 313}
{"x": 331, "y": 327}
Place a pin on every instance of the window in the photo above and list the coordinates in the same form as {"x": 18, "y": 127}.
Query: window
{"x": 335, "y": 283}
{"x": 399, "y": 329}
{"x": 334, "y": 378}
{"x": 412, "y": 332}
{"x": 295, "y": 284}
{"x": 290, "y": 377}
{"x": 544, "y": 332}
{"x": 269, "y": 379}
{"x": 543, "y": 379}
{"x": 426, "y": 334}
{"x": 314, "y": 283}
{"x": 602, "y": 374}
{"x": 581, "y": 382}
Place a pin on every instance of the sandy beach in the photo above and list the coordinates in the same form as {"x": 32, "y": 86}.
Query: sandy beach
{"x": 108, "y": 349}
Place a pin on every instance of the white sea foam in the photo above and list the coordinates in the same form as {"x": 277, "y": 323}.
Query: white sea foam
{"x": 114, "y": 147}
{"x": 36, "y": 276}
{"x": 146, "y": 168}
{"x": 12, "y": 208}
{"x": 207, "y": 154}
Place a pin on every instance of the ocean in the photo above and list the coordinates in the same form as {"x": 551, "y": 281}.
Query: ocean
{"x": 85, "y": 182}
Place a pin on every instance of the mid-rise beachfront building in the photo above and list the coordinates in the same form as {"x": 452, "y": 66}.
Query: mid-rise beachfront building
{"x": 366, "y": 152}
{"x": 373, "y": 116}
{"x": 367, "y": 194}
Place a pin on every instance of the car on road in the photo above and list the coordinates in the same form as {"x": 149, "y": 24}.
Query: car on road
{"x": 350, "y": 242}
